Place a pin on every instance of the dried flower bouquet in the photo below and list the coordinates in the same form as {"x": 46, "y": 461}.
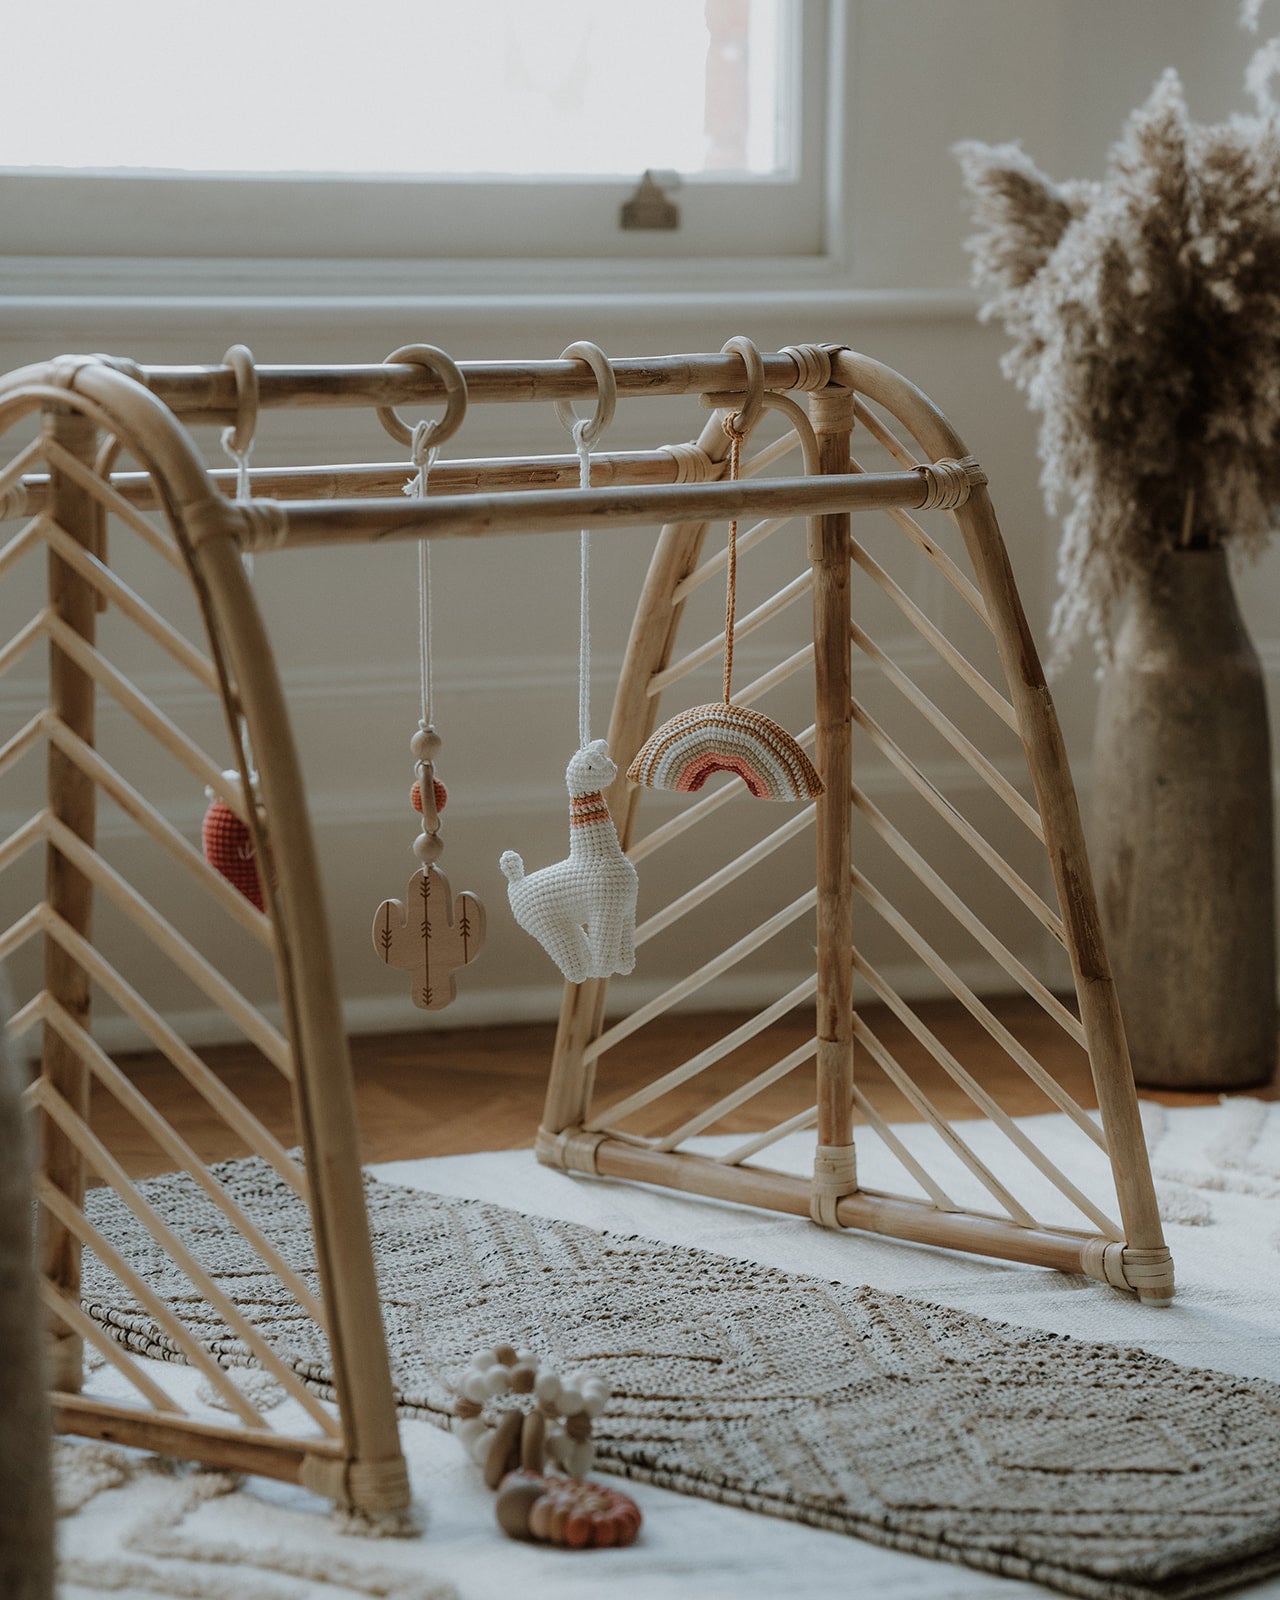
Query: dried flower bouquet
{"x": 1145, "y": 316}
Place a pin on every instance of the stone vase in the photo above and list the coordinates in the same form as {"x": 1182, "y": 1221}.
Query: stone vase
{"x": 1182, "y": 833}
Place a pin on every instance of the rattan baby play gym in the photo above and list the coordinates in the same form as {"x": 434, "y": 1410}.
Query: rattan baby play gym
{"x": 75, "y": 418}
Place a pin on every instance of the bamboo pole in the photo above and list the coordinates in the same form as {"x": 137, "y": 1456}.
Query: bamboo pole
{"x": 379, "y": 479}
{"x": 68, "y": 891}
{"x": 324, "y": 1096}
{"x": 147, "y": 714}
{"x": 22, "y": 542}
{"x": 895, "y": 1146}
{"x": 829, "y": 540}
{"x": 68, "y": 1312}
{"x": 145, "y": 617}
{"x": 22, "y": 641}
{"x": 273, "y": 525}
{"x": 867, "y": 1210}
{"x": 227, "y": 1449}
{"x": 208, "y": 394}
{"x": 102, "y": 492}
{"x": 762, "y": 1141}
{"x": 739, "y": 950}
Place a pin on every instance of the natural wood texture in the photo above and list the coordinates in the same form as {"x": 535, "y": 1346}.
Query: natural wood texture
{"x": 430, "y": 934}
{"x": 68, "y": 890}
{"x": 341, "y": 522}
{"x": 829, "y": 538}
{"x": 746, "y": 1077}
{"x": 227, "y": 1449}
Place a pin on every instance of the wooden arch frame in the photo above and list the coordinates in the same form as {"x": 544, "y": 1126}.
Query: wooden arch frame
{"x": 358, "y": 1460}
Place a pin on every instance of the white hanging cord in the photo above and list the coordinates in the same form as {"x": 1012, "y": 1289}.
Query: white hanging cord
{"x": 237, "y": 440}
{"x": 585, "y": 432}
{"x": 424, "y": 454}
{"x": 583, "y": 446}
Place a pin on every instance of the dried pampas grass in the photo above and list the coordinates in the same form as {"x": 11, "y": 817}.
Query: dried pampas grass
{"x": 1144, "y": 311}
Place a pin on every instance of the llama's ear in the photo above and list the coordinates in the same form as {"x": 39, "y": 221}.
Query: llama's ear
{"x": 600, "y": 746}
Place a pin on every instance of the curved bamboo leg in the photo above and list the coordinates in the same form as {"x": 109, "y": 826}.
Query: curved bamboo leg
{"x": 1143, "y": 1263}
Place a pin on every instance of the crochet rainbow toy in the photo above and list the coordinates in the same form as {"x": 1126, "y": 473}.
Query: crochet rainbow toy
{"x": 684, "y": 752}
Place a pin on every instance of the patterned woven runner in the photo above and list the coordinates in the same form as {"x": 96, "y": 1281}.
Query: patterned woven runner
{"x": 1103, "y": 1472}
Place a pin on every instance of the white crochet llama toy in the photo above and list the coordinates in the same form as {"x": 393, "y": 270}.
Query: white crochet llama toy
{"x": 582, "y": 910}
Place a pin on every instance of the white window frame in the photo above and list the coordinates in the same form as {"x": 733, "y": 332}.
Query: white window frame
{"x": 374, "y": 235}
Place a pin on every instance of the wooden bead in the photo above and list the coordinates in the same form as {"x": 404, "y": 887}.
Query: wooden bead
{"x": 504, "y": 1353}
{"x": 517, "y": 1495}
{"x": 425, "y": 744}
{"x": 578, "y": 1426}
{"x": 427, "y": 848}
{"x": 523, "y": 1379}
{"x": 464, "y": 1408}
{"x": 533, "y": 1437}
{"x": 504, "y": 1449}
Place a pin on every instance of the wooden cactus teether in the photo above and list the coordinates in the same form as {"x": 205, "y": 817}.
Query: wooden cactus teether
{"x": 430, "y": 933}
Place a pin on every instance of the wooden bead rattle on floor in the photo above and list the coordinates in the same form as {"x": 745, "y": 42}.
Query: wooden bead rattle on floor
{"x": 513, "y": 1453}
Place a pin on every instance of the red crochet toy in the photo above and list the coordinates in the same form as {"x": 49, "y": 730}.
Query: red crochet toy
{"x": 228, "y": 847}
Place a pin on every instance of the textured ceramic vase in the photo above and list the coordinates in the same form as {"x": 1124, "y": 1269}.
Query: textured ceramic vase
{"x": 1182, "y": 837}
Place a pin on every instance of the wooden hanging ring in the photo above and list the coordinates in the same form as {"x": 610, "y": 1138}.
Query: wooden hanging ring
{"x": 742, "y": 422}
{"x": 606, "y": 390}
{"x": 237, "y": 440}
{"x": 455, "y": 394}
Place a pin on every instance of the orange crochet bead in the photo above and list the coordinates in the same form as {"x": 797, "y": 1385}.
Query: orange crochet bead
{"x": 441, "y": 794}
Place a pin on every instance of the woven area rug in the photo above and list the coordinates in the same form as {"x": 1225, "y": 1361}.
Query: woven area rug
{"x": 1099, "y": 1471}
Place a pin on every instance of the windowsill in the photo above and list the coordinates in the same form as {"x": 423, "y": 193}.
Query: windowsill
{"x": 505, "y": 291}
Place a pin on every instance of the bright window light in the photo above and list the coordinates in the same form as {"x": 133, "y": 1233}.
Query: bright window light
{"x": 432, "y": 88}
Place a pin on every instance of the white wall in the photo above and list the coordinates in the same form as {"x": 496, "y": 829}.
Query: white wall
{"x": 1059, "y": 74}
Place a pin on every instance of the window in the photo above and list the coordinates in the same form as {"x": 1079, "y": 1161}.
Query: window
{"x": 437, "y": 130}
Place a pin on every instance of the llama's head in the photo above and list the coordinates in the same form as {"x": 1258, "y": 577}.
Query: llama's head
{"x": 591, "y": 768}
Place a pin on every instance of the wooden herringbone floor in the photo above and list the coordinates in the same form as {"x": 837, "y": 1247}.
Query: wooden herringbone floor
{"x": 445, "y": 1093}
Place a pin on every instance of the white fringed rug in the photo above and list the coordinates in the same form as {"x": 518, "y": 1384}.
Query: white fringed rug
{"x": 1224, "y": 1170}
